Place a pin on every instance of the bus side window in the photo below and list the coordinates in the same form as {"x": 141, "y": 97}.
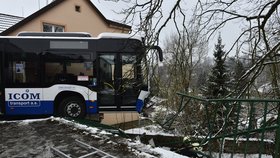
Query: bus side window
{"x": 53, "y": 70}
{"x": 107, "y": 67}
{"x": 80, "y": 68}
{"x": 68, "y": 68}
{"x": 128, "y": 66}
{"x": 23, "y": 68}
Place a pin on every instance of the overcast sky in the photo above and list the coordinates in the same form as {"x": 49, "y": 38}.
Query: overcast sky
{"x": 24, "y": 8}
{"x": 20, "y": 7}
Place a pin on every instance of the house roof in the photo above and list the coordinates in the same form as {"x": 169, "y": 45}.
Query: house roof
{"x": 6, "y": 21}
{"x": 49, "y": 7}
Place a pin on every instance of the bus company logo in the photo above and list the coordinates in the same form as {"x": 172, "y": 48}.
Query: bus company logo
{"x": 25, "y": 99}
{"x": 24, "y": 96}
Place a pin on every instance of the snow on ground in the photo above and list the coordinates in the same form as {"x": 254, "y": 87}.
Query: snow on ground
{"x": 145, "y": 149}
{"x": 34, "y": 138}
{"x": 251, "y": 140}
{"x": 167, "y": 153}
{"x": 161, "y": 152}
{"x": 149, "y": 130}
{"x": 242, "y": 156}
{"x": 157, "y": 130}
{"x": 265, "y": 88}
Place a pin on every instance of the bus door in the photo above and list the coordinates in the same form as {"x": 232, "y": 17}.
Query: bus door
{"x": 107, "y": 82}
{"x": 117, "y": 82}
{"x": 130, "y": 83}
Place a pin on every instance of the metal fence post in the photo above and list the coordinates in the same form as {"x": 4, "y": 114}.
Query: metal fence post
{"x": 277, "y": 137}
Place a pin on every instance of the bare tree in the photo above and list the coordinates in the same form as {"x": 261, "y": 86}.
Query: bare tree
{"x": 259, "y": 24}
{"x": 258, "y": 20}
{"x": 184, "y": 54}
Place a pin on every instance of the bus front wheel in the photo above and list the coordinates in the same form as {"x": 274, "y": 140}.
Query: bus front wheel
{"x": 72, "y": 107}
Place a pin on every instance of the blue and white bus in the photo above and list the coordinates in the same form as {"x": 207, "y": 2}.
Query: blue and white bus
{"x": 71, "y": 74}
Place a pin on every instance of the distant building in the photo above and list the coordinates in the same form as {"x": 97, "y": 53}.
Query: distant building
{"x": 6, "y": 21}
{"x": 62, "y": 16}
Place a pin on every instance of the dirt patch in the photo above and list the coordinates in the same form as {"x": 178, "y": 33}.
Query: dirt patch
{"x": 35, "y": 139}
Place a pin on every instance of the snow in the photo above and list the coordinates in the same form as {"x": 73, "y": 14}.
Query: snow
{"x": 168, "y": 154}
{"x": 134, "y": 146}
{"x": 23, "y": 122}
{"x": 137, "y": 147}
{"x": 118, "y": 35}
{"x": 265, "y": 88}
{"x": 149, "y": 130}
{"x": 241, "y": 155}
{"x": 91, "y": 130}
{"x": 148, "y": 149}
{"x": 145, "y": 149}
{"x": 251, "y": 140}
{"x": 165, "y": 153}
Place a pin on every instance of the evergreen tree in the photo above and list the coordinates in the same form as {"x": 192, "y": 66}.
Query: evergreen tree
{"x": 218, "y": 79}
{"x": 218, "y": 87}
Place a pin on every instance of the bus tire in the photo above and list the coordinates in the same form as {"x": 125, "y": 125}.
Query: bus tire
{"x": 72, "y": 107}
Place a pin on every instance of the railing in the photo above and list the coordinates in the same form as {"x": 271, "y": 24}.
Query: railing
{"x": 232, "y": 127}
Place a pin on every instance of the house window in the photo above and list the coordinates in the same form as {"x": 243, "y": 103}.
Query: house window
{"x": 52, "y": 28}
{"x": 78, "y": 8}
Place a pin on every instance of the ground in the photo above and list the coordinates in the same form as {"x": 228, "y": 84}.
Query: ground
{"x": 34, "y": 138}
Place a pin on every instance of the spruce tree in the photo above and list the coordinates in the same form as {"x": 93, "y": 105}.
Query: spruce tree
{"x": 217, "y": 88}
{"x": 218, "y": 79}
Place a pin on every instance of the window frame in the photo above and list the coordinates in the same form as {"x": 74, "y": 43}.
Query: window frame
{"x": 53, "y": 27}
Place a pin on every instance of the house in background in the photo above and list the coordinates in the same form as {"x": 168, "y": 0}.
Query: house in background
{"x": 65, "y": 16}
{"x": 7, "y": 21}
{"x": 69, "y": 16}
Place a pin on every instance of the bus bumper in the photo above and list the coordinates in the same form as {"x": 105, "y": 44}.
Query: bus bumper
{"x": 140, "y": 101}
{"x": 91, "y": 107}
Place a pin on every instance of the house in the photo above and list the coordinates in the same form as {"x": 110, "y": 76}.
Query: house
{"x": 6, "y": 21}
{"x": 68, "y": 16}
{"x": 65, "y": 16}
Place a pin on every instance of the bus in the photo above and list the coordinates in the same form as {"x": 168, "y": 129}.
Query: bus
{"x": 72, "y": 74}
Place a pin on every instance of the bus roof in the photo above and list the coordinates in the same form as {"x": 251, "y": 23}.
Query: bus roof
{"x": 55, "y": 34}
{"x": 118, "y": 35}
{"x": 73, "y": 35}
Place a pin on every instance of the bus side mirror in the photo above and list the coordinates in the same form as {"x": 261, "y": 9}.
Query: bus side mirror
{"x": 160, "y": 55}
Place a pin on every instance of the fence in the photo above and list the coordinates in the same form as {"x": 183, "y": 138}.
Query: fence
{"x": 232, "y": 127}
